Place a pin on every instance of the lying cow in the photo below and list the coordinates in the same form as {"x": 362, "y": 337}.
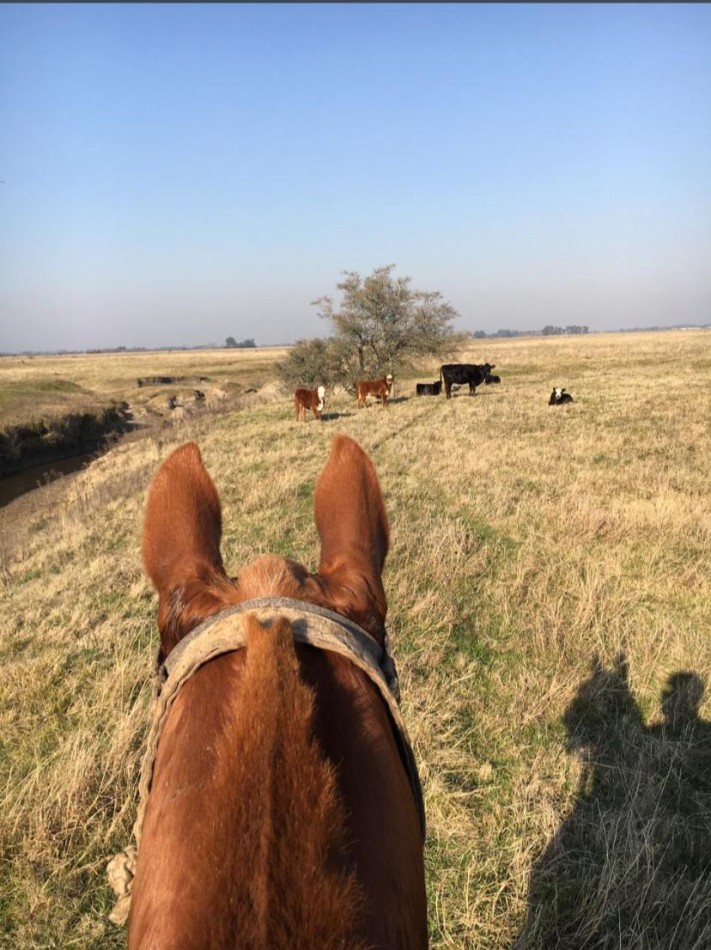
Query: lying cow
{"x": 492, "y": 379}
{"x": 462, "y": 373}
{"x": 312, "y": 399}
{"x": 429, "y": 389}
{"x": 558, "y": 397}
{"x": 378, "y": 388}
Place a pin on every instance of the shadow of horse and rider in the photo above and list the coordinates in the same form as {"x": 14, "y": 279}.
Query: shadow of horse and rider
{"x": 631, "y": 865}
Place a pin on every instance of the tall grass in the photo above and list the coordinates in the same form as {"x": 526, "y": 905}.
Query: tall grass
{"x": 548, "y": 582}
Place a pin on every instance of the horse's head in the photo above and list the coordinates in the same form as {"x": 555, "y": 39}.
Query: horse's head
{"x": 603, "y": 715}
{"x": 181, "y": 546}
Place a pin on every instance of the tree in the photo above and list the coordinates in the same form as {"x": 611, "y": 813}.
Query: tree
{"x": 383, "y": 325}
{"x": 315, "y": 363}
{"x": 231, "y": 344}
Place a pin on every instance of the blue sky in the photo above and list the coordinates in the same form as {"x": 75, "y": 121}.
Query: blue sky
{"x": 174, "y": 174}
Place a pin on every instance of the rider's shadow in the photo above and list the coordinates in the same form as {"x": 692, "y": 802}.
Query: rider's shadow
{"x": 631, "y": 866}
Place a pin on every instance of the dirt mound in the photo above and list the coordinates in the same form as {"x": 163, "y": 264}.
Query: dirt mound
{"x": 215, "y": 396}
{"x": 272, "y": 392}
{"x": 171, "y": 380}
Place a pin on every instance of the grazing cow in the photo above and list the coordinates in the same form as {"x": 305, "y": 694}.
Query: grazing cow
{"x": 429, "y": 389}
{"x": 558, "y": 397}
{"x": 492, "y": 379}
{"x": 282, "y": 806}
{"x": 462, "y": 373}
{"x": 313, "y": 399}
{"x": 378, "y": 388}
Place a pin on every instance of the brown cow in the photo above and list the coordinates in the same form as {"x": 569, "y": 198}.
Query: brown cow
{"x": 309, "y": 399}
{"x": 280, "y": 814}
{"x": 379, "y": 388}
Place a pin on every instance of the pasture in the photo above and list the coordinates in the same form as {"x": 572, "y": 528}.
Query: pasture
{"x": 57, "y": 406}
{"x": 549, "y": 588}
{"x": 34, "y": 387}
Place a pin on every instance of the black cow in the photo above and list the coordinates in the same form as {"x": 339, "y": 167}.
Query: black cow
{"x": 464, "y": 373}
{"x": 429, "y": 389}
{"x": 492, "y": 379}
{"x": 558, "y": 397}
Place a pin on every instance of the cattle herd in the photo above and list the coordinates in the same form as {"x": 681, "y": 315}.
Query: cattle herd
{"x": 451, "y": 376}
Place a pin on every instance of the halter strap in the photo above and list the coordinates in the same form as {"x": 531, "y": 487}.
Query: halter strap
{"x": 341, "y": 630}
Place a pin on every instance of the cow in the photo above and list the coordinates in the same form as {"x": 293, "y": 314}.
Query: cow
{"x": 429, "y": 389}
{"x": 281, "y": 806}
{"x": 462, "y": 373}
{"x": 305, "y": 399}
{"x": 492, "y": 379}
{"x": 558, "y": 397}
{"x": 378, "y": 388}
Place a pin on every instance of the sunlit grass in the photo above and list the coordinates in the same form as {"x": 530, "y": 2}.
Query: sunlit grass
{"x": 527, "y": 541}
{"x": 43, "y": 387}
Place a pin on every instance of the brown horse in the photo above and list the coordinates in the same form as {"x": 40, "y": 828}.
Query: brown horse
{"x": 280, "y": 813}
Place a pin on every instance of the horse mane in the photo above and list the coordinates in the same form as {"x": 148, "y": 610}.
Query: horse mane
{"x": 291, "y": 872}
{"x": 291, "y": 805}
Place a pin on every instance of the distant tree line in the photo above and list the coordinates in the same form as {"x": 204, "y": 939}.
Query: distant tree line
{"x": 546, "y": 331}
{"x": 562, "y": 331}
{"x": 232, "y": 344}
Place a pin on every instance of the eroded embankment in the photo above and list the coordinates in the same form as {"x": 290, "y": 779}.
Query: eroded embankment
{"x": 43, "y": 441}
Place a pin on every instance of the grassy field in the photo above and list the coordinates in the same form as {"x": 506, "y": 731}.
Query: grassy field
{"x": 56, "y": 406}
{"x": 33, "y": 387}
{"x": 549, "y": 584}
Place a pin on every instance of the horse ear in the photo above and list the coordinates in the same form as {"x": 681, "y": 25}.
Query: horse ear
{"x": 181, "y": 543}
{"x": 353, "y": 528}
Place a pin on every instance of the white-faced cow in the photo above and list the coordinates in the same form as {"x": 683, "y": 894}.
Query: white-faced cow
{"x": 378, "y": 388}
{"x": 305, "y": 399}
{"x": 429, "y": 389}
{"x": 558, "y": 397}
{"x": 462, "y": 373}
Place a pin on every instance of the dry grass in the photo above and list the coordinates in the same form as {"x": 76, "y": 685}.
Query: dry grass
{"x": 33, "y": 387}
{"x": 566, "y": 806}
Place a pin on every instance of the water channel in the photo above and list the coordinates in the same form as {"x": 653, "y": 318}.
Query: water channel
{"x": 13, "y": 486}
